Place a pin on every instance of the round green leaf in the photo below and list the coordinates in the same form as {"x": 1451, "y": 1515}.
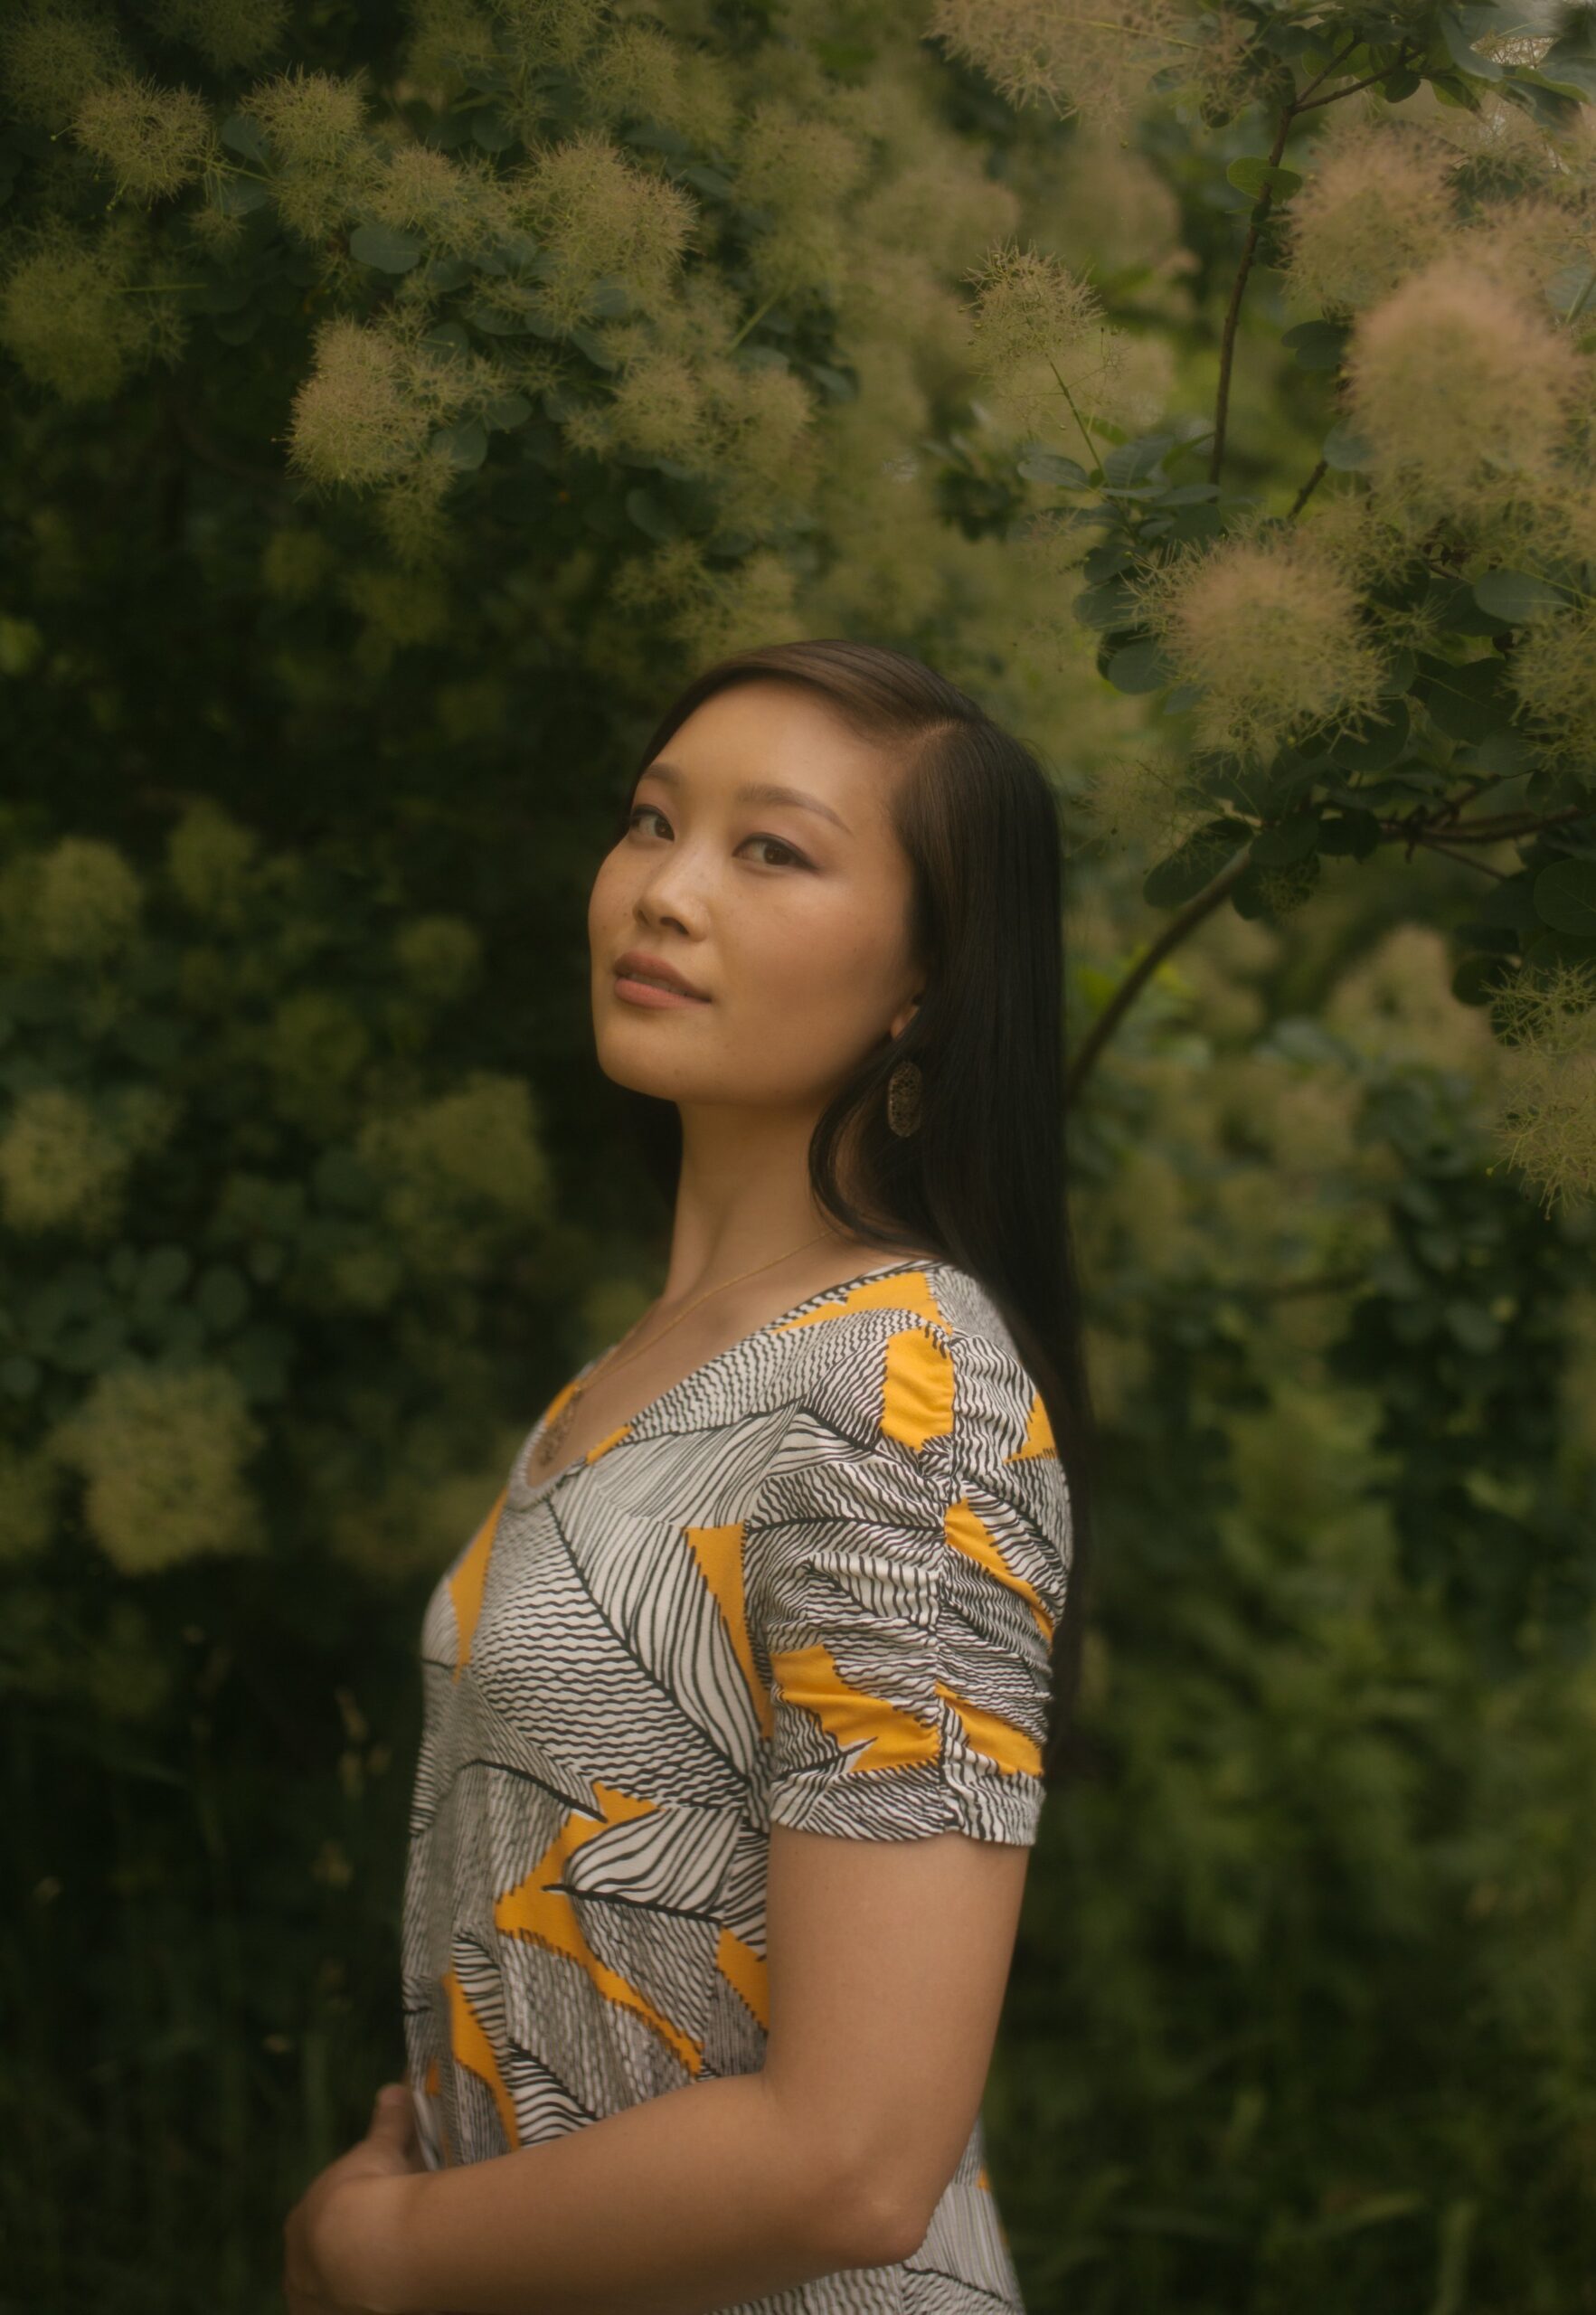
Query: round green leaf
{"x": 241, "y": 196}
{"x": 506, "y": 410}
{"x": 242, "y": 135}
{"x": 448, "y": 338}
{"x": 1565, "y": 897}
{"x": 1514, "y": 597}
{"x": 1047, "y": 466}
{"x": 1511, "y": 904}
{"x": 1349, "y": 835}
{"x": 1479, "y": 978}
{"x": 1346, "y": 449}
{"x": 1288, "y": 841}
{"x": 1464, "y": 701}
{"x": 1139, "y": 666}
{"x": 1108, "y": 606}
{"x": 1182, "y": 874}
{"x": 1184, "y": 695}
{"x": 1460, "y": 48}
{"x": 1254, "y": 174}
{"x": 385, "y": 247}
{"x": 651, "y": 515}
{"x": 1317, "y": 344}
{"x": 465, "y": 445}
{"x": 1378, "y": 746}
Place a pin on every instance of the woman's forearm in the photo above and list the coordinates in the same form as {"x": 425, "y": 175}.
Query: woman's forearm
{"x": 701, "y": 2198}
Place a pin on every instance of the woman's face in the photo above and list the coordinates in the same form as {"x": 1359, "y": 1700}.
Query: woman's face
{"x": 789, "y": 914}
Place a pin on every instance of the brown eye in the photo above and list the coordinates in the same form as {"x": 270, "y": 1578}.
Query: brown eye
{"x": 780, "y": 846}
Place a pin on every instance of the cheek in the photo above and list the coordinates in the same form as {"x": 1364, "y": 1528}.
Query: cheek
{"x": 818, "y": 969}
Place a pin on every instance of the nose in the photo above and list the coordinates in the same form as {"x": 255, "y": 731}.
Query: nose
{"x": 672, "y": 892}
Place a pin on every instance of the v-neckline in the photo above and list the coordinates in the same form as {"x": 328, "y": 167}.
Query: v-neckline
{"x": 525, "y": 1490}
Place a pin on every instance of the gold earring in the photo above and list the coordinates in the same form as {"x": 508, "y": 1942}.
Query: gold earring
{"x": 903, "y": 1093}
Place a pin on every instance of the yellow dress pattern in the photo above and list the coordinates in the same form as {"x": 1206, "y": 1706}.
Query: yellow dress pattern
{"x": 816, "y": 1583}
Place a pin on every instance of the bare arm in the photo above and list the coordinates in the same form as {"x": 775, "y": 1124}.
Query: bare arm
{"x": 887, "y": 1966}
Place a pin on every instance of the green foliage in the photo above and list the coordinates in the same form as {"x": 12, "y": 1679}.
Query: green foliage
{"x": 160, "y": 1311}
{"x": 1301, "y": 2013}
{"x": 1440, "y": 602}
{"x": 404, "y": 403}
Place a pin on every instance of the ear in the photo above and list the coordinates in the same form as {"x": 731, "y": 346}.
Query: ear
{"x": 903, "y": 1018}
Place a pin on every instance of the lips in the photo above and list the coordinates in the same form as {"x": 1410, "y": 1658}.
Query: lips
{"x": 637, "y": 965}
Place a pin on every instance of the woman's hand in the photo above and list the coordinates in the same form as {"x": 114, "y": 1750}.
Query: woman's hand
{"x": 389, "y": 2148}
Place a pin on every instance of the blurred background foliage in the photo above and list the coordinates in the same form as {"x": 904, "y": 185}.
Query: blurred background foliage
{"x": 400, "y": 403}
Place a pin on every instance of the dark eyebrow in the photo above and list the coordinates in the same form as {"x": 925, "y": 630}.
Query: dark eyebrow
{"x": 757, "y": 791}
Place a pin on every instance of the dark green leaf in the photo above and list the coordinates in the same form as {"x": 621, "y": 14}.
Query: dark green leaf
{"x": 1565, "y": 897}
{"x": 1254, "y": 174}
{"x": 1184, "y": 873}
{"x": 1399, "y": 676}
{"x": 1139, "y": 666}
{"x": 1459, "y": 48}
{"x": 1549, "y": 108}
{"x": 1570, "y": 61}
{"x": 718, "y": 187}
{"x": 609, "y": 298}
{"x": 385, "y": 247}
{"x": 836, "y": 384}
{"x": 1464, "y": 702}
{"x": 1479, "y": 978}
{"x": 657, "y": 137}
{"x": 1516, "y": 596}
{"x": 494, "y": 324}
{"x": 1349, "y": 834}
{"x": 464, "y": 445}
{"x": 1379, "y": 745}
{"x": 1500, "y": 940}
{"x": 1131, "y": 462}
{"x": 651, "y": 515}
{"x": 1512, "y": 902}
{"x": 447, "y": 273}
{"x": 1047, "y": 466}
{"x": 239, "y": 134}
{"x": 1109, "y": 606}
{"x": 1317, "y": 344}
{"x": 1103, "y": 561}
{"x": 506, "y": 411}
{"x": 1287, "y": 842}
{"x": 590, "y": 343}
{"x": 1346, "y": 449}
{"x": 241, "y": 196}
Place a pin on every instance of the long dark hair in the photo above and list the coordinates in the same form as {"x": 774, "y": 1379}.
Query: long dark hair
{"x": 981, "y": 1182}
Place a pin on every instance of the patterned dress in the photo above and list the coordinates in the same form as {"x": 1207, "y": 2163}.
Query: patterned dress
{"x": 815, "y": 1583}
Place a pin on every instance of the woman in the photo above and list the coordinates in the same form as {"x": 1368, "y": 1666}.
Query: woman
{"x": 736, "y": 1703}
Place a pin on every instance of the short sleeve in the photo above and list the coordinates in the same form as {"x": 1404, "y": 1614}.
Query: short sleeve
{"x": 910, "y": 1557}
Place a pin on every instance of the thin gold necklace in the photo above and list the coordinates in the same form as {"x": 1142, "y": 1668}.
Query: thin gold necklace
{"x": 548, "y": 1445}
